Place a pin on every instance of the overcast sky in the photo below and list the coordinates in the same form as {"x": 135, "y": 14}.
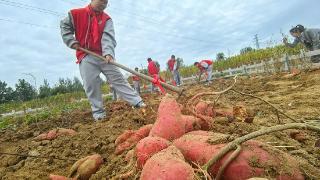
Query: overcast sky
{"x": 30, "y": 39}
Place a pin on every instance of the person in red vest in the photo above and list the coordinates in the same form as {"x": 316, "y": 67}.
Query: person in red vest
{"x": 153, "y": 69}
{"x": 173, "y": 67}
{"x": 91, "y": 28}
{"x": 205, "y": 66}
{"x": 136, "y": 81}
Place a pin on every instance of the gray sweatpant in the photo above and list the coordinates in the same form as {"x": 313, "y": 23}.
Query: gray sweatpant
{"x": 209, "y": 71}
{"x": 176, "y": 77}
{"x": 136, "y": 86}
{"x": 90, "y": 69}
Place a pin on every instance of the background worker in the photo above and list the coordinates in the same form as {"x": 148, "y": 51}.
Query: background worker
{"x": 205, "y": 66}
{"x": 136, "y": 80}
{"x": 173, "y": 67}
{"x": 153, "y": 70}
{"x": 310, "y": 38}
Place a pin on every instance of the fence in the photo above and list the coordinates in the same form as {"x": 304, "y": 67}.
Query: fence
{"x": 284, "y": 64}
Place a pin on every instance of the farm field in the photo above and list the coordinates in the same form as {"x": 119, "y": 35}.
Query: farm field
{"x": 297, "y": 96}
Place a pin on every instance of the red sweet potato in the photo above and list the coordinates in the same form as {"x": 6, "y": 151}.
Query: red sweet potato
{"x": 195, "y": 148}
{"x": 169, "y": 124}
{"x": 86, "y": 167}
{"x": 168, "y": 164}
{"x": 224, "y": 112}
{"x": 145, "y": 130}
{"x": 211, "y": 111}
{"x": 205, "y": 109}
{"x": 201, "y": 108}
{"x": 149, "y": 146}
{"x": 123, "y": 137}
{"x": 192, "y": 123}
{"x": 130, "y": 138}
{"x": 53, "y": 134}
{"x": 255, "y": 159}
{"x": 294, "y": 72}
{"x": 125, "y": 146}
{"x": 56, "y": 177}
{"x": 299, "y": 136}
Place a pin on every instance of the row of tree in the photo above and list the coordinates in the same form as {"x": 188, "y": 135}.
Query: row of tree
{"x": 24, "y": 91}
{"x": 220, "y": 56}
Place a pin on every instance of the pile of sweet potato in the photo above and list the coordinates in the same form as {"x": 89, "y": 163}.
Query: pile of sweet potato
{"x": 176, "y": 142}
{"x": 256, "y": 159}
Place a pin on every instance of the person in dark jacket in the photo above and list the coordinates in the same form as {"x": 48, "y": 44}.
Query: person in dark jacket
{"x": 310, "y": 38}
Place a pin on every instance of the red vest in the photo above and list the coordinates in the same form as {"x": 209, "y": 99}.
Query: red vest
{"x": 152, "y": 68}
{"x": 209, "y": 62}
{"x": 135, "y": 78}
{"x": 171, "y": 63}
{"x": 89, "y": 26}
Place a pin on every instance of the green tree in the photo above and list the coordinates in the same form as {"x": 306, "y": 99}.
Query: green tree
{"x": 180, "y": 62}
{"x": 61, "y": 87}
{"x": 246, "y": 50}
{"x": 220, "y": 56}
{"x": 69, "y": 85}
{"x": 45, "y": 90}
{"x": 6, "y": 93}
{"x": 25, "y": 91}
{"x": 77, "y": 85}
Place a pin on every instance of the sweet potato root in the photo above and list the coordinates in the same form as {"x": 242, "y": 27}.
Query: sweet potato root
{"x": 205, "y": 109}
{"x": 191, "y": 122}
{"x": 53, "y": 134}
{"x": 298, "y": 136}
{"x": 130, "y": 138}
{"x": 201, "y": 108}
{"x": 255, "y": 159}
{"x": 239, "y": 112}
{"x": 149, "y": 146}
{"x": 57, "y": 177}
{"x": 145, "y": 130}
{"x": 168, "y": 164}
{"x": 169, "y": 124}
{"x": 123, "y": 137}
{"x": 225, "y": 113}
{"x": 86, "y": 167}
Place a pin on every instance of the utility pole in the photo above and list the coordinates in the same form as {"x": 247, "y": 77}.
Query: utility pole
{"x": 257, "y": 41}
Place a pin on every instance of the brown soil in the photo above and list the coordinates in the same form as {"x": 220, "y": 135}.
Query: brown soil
{"x": 297, "y": 96}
